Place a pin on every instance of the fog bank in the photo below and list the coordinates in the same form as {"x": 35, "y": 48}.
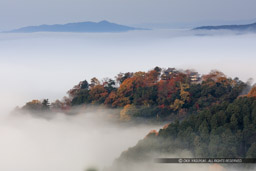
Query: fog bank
{"x": 64, "y": 143}
{"x": 47, "y": 65}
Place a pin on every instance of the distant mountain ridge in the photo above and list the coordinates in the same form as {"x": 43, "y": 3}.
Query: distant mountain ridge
{"x": 102, "y": 26}
{"x": 246, "y": 27}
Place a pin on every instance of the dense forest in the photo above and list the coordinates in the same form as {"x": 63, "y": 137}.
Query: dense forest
{"x": 226, "y": 130}
{"x": 159, "y": 94}
{"x": 210, "y": 115}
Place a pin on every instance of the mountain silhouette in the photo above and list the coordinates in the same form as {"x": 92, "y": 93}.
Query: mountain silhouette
{"x": 246, "y": 27}
{"x": 102, "y": 26}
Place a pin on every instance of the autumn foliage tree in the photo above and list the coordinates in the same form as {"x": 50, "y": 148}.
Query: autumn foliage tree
{"x": 164, "y": 92}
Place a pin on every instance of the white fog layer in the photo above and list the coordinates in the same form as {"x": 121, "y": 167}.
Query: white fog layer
{"x": 47, "y": 65}
{"x": 64, "y": 143}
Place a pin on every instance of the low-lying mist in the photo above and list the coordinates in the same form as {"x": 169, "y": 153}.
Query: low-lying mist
{"x": 65, "y": 143}
{"x": 148, "y": 155}
{"x": 47, "y": 65}
{"x": 91, "y": 138}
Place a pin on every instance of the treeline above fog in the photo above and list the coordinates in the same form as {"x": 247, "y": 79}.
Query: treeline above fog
{"x": 213, "y": 115}
{"x": 159, "y": 94}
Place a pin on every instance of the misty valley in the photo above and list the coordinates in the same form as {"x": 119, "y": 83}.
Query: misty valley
{"x": 126, "y": 99}
{"x": 125, "y": 123}
{"x": 127, "y": 85}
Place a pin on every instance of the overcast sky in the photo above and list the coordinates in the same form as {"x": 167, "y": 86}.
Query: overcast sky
{"x": 17, "y": 13}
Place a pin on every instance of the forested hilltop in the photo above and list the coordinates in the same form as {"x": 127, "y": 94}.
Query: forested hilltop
{"x": 159, "y": 94}
{"x": 209, "y": 115}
